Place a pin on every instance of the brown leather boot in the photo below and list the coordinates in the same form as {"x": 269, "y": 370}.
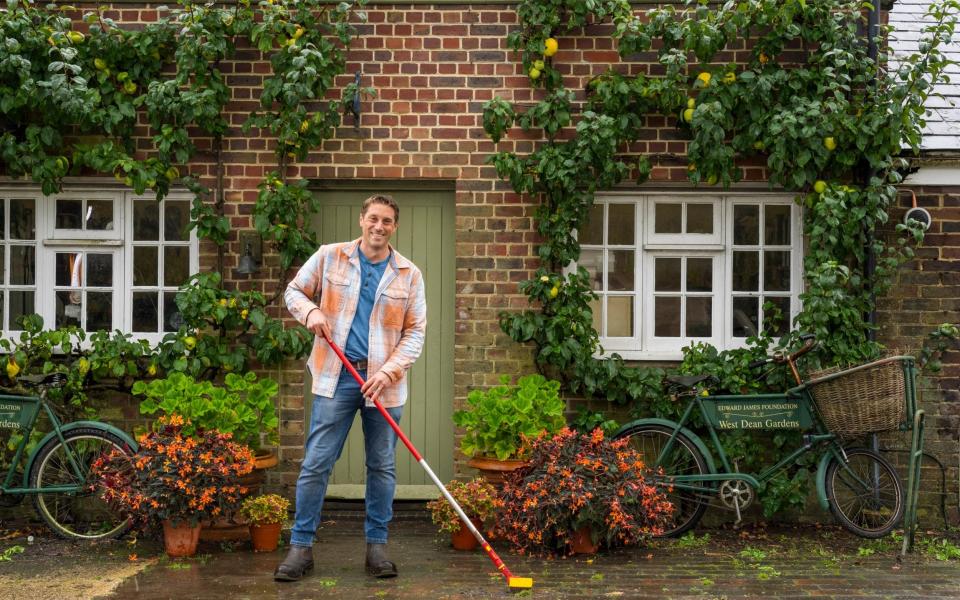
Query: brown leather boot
{"x": 377, "y": 563}
{"x": 299, "y": 562}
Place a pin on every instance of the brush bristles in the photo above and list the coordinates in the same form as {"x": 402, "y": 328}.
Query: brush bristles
{"x": 520, "y": 582}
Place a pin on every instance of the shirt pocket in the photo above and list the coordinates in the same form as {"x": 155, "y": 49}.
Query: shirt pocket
{"x": 333, "y": 294}
{"x": 394, "y": 306}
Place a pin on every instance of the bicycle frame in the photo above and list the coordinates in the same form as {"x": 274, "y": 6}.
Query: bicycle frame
{"x": 20, "y": 413}
{"x": 749, "y": 412}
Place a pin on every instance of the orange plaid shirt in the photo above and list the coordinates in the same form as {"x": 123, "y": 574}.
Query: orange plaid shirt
{"x": 330, "y": 281}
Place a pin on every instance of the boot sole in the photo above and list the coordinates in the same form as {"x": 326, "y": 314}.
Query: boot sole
{"x": 290, "y": 577}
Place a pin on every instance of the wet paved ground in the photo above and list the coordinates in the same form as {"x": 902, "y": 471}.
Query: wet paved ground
{"x": 793, "y": 563}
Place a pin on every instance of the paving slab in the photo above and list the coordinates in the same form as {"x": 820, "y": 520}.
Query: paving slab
{"x": 802, "y": 562}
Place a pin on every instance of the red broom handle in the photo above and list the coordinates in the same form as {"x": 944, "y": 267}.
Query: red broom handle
{"x": 446, "y": 494}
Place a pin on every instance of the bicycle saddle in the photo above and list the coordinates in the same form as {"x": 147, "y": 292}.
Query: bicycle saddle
{"x": 686, "y": 381}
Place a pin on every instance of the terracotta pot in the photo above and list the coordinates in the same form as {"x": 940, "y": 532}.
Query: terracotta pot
{"x": 265, "y": 459}
{"x": 265, "y": 538}
{"x": 232, "y": 529}
{"x": 493, "y": 469}
{"x": 582, "y": 543}
{"x": 462, "y": 539}
{"x": 180, "y": 540}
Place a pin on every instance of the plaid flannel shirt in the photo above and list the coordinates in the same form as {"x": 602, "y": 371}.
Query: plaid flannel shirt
{"x": 330, "y": 281}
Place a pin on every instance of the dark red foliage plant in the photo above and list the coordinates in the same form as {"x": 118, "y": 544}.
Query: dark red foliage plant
{"x": 576, "y": 480}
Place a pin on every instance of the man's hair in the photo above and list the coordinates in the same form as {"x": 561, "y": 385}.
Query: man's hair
{"x": 381, "y": 199}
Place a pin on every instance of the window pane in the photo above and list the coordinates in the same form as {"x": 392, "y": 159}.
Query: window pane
{"x": 3, "y": 324}
{"x": 699, "y": 274}
{"x": 699, "y": 218}
{"x": 23, "y": 267}
{"x": 100, "y": 270}
{"x": 746, "y": 271}
{"x": 100, "y": 215}
{"x": 776, "y": 270}
{"x": 99, "y": 311}
{"x": 21, "y": 304}
{"x": 176, "y": 218}
{"x": 776, "y": 315}
{"x": 776, "y": 224}
{"x": 3, "y": 226}
{"x": 146, "y": 311}
{"x": 746, "y": 224}
{"x": 620, "y": 316}
{"x": 620, "y": 226}
{"x": 3, "y": 271}
{"x": 667, "y": 274}
{"x": 146, "y": 220}
{"x": 745, "y": 316}
{"x": 172, "y": 319}
{"x": 592, "y": 231}
{"x": 666, "y": 316}
{"x": 68, "y": 308}
{"x": 22, "y": 219}
{"x": 592, "y": 261}
{"x": 69, "y": 214}
{"x": 699, "y": 317}
{"x": 145, "y": 265}
{"x": 620, "y": 270}
{"x": 668, "y": 218}
{"x": 595, "y": 306}
{"x": 69, "y": 269}
{"x": 176, "y": 265}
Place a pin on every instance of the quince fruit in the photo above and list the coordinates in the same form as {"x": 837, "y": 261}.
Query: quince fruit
{"x": 12, "y": 369}
{"x": 829, "y": 143}
{"x": 820, "y": 186}
{"x": 190, "y": 342}
{"x": 705, "y": 78}
{"x": 550, "y": 47}
{"x": 688, "y": 115}
{"x": 534, "y": 73}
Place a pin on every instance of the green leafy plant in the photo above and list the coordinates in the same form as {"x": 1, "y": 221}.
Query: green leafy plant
{"x": 8, "y": 553}
{"x": 265, "y": 509}
{"x": 175, "y": 475}
{"x": 497, "y": 419}
{"x": 575, "y": 480}
{"x": 243, "y": 406}
{"x": 475, "y": 497}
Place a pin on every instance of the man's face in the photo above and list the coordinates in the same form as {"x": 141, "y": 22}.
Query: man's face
{"x": 378, "y": 224}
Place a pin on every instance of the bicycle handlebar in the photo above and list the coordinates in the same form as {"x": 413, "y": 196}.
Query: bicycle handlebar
{"x": 44, "y": 380}
{"x": 809, "y": 343}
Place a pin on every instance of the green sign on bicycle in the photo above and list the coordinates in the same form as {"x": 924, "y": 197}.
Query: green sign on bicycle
{"x": 756, "y": 414}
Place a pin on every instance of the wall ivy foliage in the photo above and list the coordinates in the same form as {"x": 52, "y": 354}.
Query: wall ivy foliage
{"x": 828, "y": 120}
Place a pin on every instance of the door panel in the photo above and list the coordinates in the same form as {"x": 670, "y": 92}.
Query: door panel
{"x": 425, "y": 235}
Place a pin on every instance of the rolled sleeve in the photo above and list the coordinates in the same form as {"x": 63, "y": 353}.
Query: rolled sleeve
{"x": 304, "y": 287}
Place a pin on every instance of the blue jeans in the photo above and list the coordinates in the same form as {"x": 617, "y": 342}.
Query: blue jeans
{"x": 329, "y": 426}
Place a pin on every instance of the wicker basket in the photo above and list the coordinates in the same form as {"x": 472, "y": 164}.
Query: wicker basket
{"x": 864, "y": 399}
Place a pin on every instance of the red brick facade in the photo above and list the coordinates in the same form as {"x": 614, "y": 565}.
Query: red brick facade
{"x": 433, "y": 68}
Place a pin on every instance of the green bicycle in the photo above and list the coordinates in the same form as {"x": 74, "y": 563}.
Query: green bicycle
{"x": 57, "y": 472}
{"x": 859, "y": 486}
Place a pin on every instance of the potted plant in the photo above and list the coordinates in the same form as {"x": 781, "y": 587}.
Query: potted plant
{"x": 497, "y": 419}
{"x": 579, "y": 485}
{"x": 475, "y": 497}
{"x": 176, "y": 479}
{"x": 266, "y": 515}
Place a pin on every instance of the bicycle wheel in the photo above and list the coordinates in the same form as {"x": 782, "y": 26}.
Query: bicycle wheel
{"x": 81, "y": 514}
{"x": 683, "y": 459}
{"x": 865, "y": 493}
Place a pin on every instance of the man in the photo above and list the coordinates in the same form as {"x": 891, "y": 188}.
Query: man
{"x": 370, "y": 301}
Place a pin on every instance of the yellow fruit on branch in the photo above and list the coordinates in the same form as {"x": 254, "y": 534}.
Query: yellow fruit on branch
{"x": 538, "y": 64}
{"x": 554, "y": 291}
{"x": 12, "y": 368}
{"x": 550, "y": 47}
{"x": 76, "y": 37}
{"x": 100, "y": 64}
{"x": 705, "y": 78}
{"x": 688, "y": 115}
{"x": 730, "y": 78}
{"x": 820, "y": 186}
{"x": 172, "y": 173}
{"x": 304, "y": 126}
{"x": 152, "y": 370}
{"x": 244, "y": 313}
{"x": 83, "y": 365}
{"x": 691, "y": 103}
{"x": 534, "y": 73}
{"x": 190, "y": 342}
{"x": 763, "y": 58}
{"x": 829, "y": 143}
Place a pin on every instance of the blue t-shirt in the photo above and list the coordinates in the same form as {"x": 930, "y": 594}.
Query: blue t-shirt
{"x": 370, "y": 276}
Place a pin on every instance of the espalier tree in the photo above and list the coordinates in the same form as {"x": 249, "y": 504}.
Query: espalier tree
{"x": 830, "y": 124}
{"x": 69, "y": 104}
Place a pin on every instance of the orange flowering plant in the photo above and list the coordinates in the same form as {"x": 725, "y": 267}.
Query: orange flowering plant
{"x": 574, "y": 480}
{"x": 175, "y": 476}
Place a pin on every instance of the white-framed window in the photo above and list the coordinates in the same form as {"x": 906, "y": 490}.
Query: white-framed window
{"x": 94, "y": 258}
{"x": 671, "y": 269}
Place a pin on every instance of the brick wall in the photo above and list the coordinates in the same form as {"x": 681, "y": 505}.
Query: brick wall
{"x": 433, "y": 68}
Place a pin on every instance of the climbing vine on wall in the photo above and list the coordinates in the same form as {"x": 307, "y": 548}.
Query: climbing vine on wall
{"x": 75, "y": 87}
{"x": 828, "y": 120}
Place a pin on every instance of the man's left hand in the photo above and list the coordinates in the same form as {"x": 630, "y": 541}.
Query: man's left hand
{"x": 376, "y": 385}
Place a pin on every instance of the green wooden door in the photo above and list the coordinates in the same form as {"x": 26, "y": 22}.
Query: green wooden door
{"x": 425, "y": 235}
